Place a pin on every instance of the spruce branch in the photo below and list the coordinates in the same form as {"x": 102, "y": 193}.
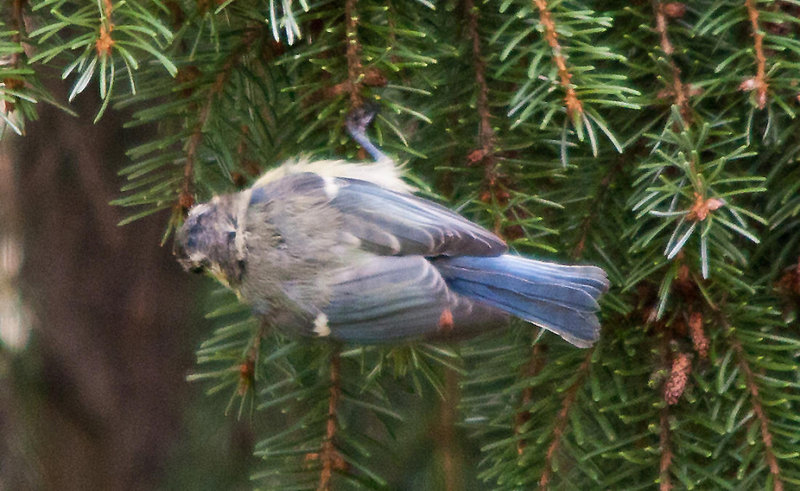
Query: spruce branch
{"x": 485, "y": 153}
{"x": 17, "y": 25}
{"x": 664, "y": 446}
{"x": 763, "y": 419}
{"x": 448, "y": 417}
{"x": 104, "y": 41}
{"x": 354, "y": 69}
{"x": 571, "y": 101}
{"x": 679, "y": 91}
{"x": 601, "y": 194}
{"x": 560, "y": 424}
{"x": 186, "y": 196}
{"x": 486, "y": 136}
{"x": 759, "y": 82}
{"x": 328, "y": 455}
{"x": 536, "y": 362}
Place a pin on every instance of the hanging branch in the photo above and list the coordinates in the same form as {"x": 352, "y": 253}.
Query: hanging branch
{"x": 571, "y": 101}
{"x": 535, "y": 364}
{"x": 14, "y": 83}
{"x": 679, "y": 91}
{"x": 16, "y": 24}
{"x": 600, "y": 197}
{"x": 664, "y": 446}
{"x": 758, "y": 409}
{"x": 759, "y": 82}
{"x": 105, "y": 42}
{"x": 665, "y": 481}
{"x": 447, "y": 437}
{"x": 186, "y": 198}
{"x": 563, "y": 416}
{"x": 486, "y": 136}
{"x": 329, "y": 457}
{"x": 354, "y": 68}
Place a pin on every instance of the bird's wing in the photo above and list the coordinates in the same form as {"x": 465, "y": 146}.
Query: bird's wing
{"x": 384, "y": 221}
{"x": 388, "y": 298}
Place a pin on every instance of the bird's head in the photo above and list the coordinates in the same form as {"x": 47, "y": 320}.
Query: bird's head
{"x": 206, "y": 242}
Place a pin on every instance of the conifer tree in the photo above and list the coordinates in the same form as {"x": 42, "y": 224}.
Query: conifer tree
{"x": 659, "y": 140}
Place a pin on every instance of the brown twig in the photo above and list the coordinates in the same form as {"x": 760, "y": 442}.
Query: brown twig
{"x": 328, "y": 455}
{"x": 453, "y": 480}
{"x": 16, "y": 24}
{"x": 104, "y": 41}
{"x": 247, "y": 368}
{"x": 661, "y": 28}
{"x": 486, "y": 136}
{"x": 561, "y": 419}
{"x": 679, "y": 91}
{"x": 664, "y": 446}
{"x": 14, "y": 83}
{"x": 186, "y": 199}
{"x": 573, "y": 104}
{"x": 532, "y": 368}
{"x": 665, "y": 481}
{"x": 353, "y": 54}
{"x": 758, "y": 409}
{"x": 600, "y": 196}
{"x": 759, "y": 82}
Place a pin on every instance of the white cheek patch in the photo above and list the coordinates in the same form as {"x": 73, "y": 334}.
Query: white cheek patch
{"x": 321, "y": 325}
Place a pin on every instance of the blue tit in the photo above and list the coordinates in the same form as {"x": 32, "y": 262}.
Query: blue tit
{"x": 346, "y": 251}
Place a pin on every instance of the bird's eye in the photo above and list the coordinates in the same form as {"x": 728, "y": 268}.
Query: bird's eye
{"x": 197, "y": 269}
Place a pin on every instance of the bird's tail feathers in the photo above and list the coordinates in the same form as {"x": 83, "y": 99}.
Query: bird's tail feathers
{"x": 559, "y": 298}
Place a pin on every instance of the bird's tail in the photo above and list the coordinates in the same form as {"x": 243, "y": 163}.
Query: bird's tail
{"x": 559, "y": 298}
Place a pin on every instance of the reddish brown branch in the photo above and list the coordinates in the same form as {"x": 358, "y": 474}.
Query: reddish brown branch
{"x": 14, "y": 83}
{"x": 600, "y": 196}
{"x": 247, "y": 368}
{"x": 448, "y": 444}
{"x": 664, "y": 446}
{"x": 573, "y": 104}
{"x": 186, "y": 199}
{"x": 532, "y": 368}
{"x": 661, "y": 28}
{"x": 328, "y": 455}
{"x": 486, "y": 136}
{"x": 759, "y": 82}
{"x": 353, "y": 54}
{"x": 562, "y": 418}
{"x": 758, "y": 409}
{"x": 665, "y": 481}
{"x": 104, "y": 41}
{"x": 678, "y": 90}
{"x": 17, "y": 25}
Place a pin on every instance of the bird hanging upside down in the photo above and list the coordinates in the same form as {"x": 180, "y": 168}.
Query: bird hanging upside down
{"x": 344, "y": 250}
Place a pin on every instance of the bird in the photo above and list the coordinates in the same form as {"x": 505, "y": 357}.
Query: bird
{"x": 347, "y": 251}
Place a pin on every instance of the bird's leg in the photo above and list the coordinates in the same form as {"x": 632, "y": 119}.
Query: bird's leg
{"x": 357, "y": 122}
